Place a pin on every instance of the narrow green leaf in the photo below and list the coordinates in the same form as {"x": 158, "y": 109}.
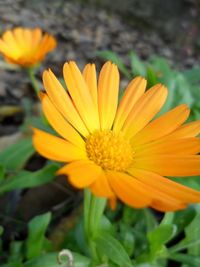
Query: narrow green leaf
{"x": 151, "y": 77}
{"x": 15, "y": 156}
{"x": 36, "y": 235}
{"x": 159, "y": 237}
{"x": 2, "y": 172}
{"x": 13, "y": 264}
{"x": 192, "y": 232}
{"x": 26, "y": 179}
{"x": 151, "y": 221}
{"x": 186, "y": 258}
{"x": 192, "y": 75}
{"x": 1, "y": 230}
{"x": 15, "y": 251}
{"x": 109, "y": 246}
{"x": 137, "y": 66}
{"x": 183, "y": 218}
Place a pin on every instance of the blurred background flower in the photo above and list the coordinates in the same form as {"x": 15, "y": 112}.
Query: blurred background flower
{"x": 26, "y": 47}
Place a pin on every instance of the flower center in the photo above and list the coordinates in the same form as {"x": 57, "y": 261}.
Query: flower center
{"x": 110, "y": 151}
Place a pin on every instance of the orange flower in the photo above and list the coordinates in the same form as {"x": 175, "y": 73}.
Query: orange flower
{"x": 26, "y": 47}
{"x": 118, "y": 151}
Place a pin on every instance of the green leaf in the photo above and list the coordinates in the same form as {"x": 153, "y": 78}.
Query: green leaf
{"x": 151, "y": 221}
{"x": 2, "y": 172}
{"x": 109, "y": 246}
{"x": 159, "y": 237}
{"x": 192, "y": 232}
{"x": 137, "y": 66}
{"x": 13, "y": 264}
{"x": 109, "y": 55}
{"x": 26, "y": 179}
{"x": 15, "y": 156}
{"x": 151, "y": 77}
{"x": 183, "y": 218}
{"x": 192, "y": 75}
{"x": 186, "y": 258}
{"x": 15, "y": 251}
{"x": 127, "y": 238}
{"x": 183, "y": 92}
{"x": 1, "y": 230}
{"x": 36, "y": 235}
{"x": 50, "y": 260}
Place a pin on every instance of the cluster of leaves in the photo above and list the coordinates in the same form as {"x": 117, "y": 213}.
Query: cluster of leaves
{"x": 125, "y": 237}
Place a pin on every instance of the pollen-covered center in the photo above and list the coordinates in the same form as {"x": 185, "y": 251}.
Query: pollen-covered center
{"x": 108, "y": 150}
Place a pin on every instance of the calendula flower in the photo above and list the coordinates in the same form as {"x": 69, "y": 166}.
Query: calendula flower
{"x": 26, "y": 47}
{"x": 117, "y": 150}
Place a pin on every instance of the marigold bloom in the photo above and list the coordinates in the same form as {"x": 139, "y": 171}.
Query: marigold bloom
{"x": 118, "y": 151}
{"x": 26, "y": 47}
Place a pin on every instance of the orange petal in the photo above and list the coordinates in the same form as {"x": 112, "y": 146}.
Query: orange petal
{"x": 89, "y": 74}
{"x": 62, "y": 101}
{"x": 190, "y": 129}
{"x": 187, "y": 146}
{"x": 36, "y": 37}
{"x": 165, "y": 206}
{"x": 133, "y": 92}
{"x": 55, "y": 148}
{"x": 101, "y": 187}
{"x": 81, "y": 173}
{"x": 162, "y": 126}
{"x": 108, "y": 88}
{"x": 128, "y": 189}
{"x": 144, "y": 110}
{"x": 59, "y": 123}
{"x": 168, "y": 165}
{"x": 167, "y": 186}
{"x": 81, "y": 96}
{"x": 19, "y": 37}
{"x": 10, "y": 41}
{"x": 27, "y": 37}
{"x": 4, "y": 48}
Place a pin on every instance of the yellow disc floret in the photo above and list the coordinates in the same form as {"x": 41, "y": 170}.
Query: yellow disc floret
{"x": 108, "y": 150}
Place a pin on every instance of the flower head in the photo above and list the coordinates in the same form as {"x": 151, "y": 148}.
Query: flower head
{"x": 26, "y": 47}
{"x": 118, "y": 150}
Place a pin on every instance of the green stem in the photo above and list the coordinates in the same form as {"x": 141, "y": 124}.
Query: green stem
{"x": 93, "y": 212}
{"x": 33, "y": 80}
{"x": 168, "y": 218}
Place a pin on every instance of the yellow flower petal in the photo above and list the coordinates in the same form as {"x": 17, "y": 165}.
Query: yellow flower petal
{"x": 55, "y": 148}
{"x": 81, "y": 173}
{"x": 59, "y": 123}
{"x": 81, "y": 96}
{"x": 187, "y": 146}
{"x": 170, "y": 165}
{"x": 167, "y": 186}
{"x": 190, "y": 129}
{"x": 162, "y": 126}
{"x": 133, "y": 92}
{"x": 108, "y": 88}
{"x": 101, "y": 187}
{"x": 62, "y": 101}
{"x": 164, "y": 205}
{"x": 89, "y": 74}
{"x": 144, "y": 110}
{"x": 128, "y": 189}
{"x": 10, "y": 41}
